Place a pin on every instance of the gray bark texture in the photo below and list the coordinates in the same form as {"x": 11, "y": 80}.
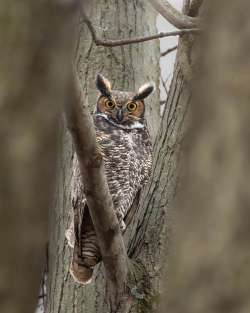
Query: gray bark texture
{"x": 127, "y": 67}
{"x": 209, "y": 271}
{"x": 148, "y": 237}
{"x": 34, "y": 43}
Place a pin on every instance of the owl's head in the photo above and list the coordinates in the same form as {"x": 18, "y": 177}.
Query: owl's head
{"x": 122, "y": 109}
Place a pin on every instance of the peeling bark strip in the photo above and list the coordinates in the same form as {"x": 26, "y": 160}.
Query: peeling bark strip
{"x": 114, "y": 256}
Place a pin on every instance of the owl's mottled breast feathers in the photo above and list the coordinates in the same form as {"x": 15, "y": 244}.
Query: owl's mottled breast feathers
{"x": 127, "y": 157}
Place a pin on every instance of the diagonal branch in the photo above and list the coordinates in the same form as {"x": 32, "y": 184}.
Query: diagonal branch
{"x": 173, "y": 16}
{"x": 164, "y": 53}
{"x": 81, "y": 127}
{"x": 123, "y": 42}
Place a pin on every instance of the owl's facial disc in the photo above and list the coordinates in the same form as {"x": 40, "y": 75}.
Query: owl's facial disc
{"x": 121, "y": 110}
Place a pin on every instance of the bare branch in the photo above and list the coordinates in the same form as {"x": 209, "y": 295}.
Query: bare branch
{"x": 99, "y": 200}
{"x": 173, "y": 16}
{"x": 164, "y": 53}
{"x": 123, "y": 42}
{"x": 195, "y": 7}
{"x": 164, "y": 85}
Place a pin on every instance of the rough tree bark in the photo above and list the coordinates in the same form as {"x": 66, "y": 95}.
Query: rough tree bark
{"x": 127, "y": 67}
{"x": 148, "y": 233}
{"x": 148, "y": 236}
{"x": 210, "y": 267}
{"x": 35, "y": 41}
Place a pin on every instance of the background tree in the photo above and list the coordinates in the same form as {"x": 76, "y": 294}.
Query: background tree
{"x": 209, "y": 270}
{"x": 35, "y": 40}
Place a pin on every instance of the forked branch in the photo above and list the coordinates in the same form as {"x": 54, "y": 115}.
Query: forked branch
{"x": 173, "y": 16}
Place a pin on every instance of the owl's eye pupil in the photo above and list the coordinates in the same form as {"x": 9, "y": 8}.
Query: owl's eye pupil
{"x": 109, "y": 104}
{"x": 131, "y": 106}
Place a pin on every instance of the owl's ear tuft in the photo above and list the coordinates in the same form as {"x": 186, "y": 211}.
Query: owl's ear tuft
{"x": 144, "y": 91}
{"x": 103, "y": 85}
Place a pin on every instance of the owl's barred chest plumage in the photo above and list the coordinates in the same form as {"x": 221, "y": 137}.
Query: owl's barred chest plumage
{"x": 123, "y": 138}
{"x": 127, "y": 159}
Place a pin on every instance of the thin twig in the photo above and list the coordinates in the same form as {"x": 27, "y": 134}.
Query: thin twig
{"x": 164, "y": 53}
{"x": 123, "y": 42}
{"x": 164, "y": 85}
{"x": 173, "y": 16}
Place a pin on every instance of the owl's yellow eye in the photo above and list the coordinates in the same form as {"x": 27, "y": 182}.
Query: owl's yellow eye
{"x": 131, "y": 106}
{"x": 109, "y": 104}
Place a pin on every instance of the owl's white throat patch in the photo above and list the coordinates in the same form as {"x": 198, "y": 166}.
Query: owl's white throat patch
{"x": 135, "y": 125}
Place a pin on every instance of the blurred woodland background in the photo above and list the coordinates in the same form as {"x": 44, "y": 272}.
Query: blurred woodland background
{"x": 190, "y": 233}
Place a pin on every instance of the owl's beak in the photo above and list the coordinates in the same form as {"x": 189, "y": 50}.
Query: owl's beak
{"x": 119, "y": 115}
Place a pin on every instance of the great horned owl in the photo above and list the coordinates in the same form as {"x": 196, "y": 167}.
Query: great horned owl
{"x": 122, "y": 134}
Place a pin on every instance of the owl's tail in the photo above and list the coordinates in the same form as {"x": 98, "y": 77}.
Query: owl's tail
{"x": 86, "y": 252}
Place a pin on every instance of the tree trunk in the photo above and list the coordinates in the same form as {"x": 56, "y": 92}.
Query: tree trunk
{"x": 210, "y": 266}
{"x": 127, "y": 67}
{"x": 148, "y": 236}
